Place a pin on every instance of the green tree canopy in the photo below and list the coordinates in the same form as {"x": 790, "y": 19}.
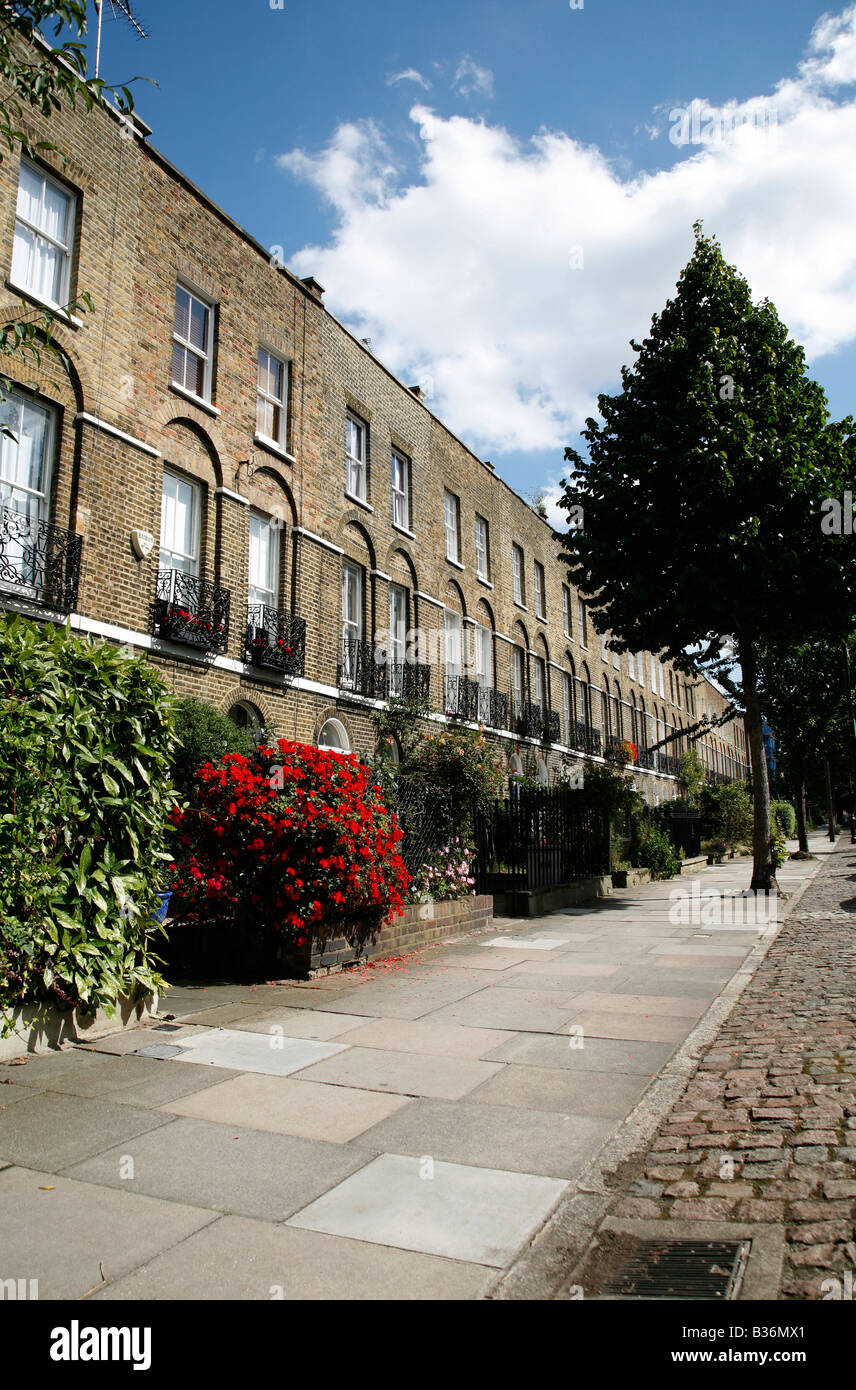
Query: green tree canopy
{"x": 701, "y": 495}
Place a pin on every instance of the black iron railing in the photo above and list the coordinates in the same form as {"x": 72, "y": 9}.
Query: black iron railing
{"x": 530, "y": 720}
{"x": 585, "y": 739}
{"x": 364, "y": 671}
{"x": 539, "y": 838}
{"x": 38, "y": 561}
{"x": 462, "y": 697}
{"x": 360, "y": 672}
{"x": 192, "y": 611}
{"x": 276, "y": 640}
{"x": 493, "y": 708}
{"x": 407, "y": 680}
{"x": 552, "y": 726}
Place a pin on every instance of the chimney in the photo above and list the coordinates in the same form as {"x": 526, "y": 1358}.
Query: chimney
{"x": 418, "y": 392}
{"x": 312, "y": 285}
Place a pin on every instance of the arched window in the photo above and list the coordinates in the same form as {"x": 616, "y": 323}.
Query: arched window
{"x": 333, "y": 737}
{"x": 246, "y": 716}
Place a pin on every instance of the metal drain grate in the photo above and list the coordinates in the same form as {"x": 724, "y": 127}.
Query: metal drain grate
{"x": 678, "y": 1269}
{"x": 167, "y": 1028}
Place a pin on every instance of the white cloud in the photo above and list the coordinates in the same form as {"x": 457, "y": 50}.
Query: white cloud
{"x": 472, "y": 80}
{"x": 409, "y": 75}
{"x": 464, "y": 272}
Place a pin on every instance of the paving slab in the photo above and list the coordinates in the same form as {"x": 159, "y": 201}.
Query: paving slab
{"x": 403, "y": 1073}
{"x": 302, "y": 1023}
{"x": 134, "y": 1039}
{"x": 118, "y": 1074}
{"x": 563, "y": 982}
{"x": 74, "y": 1229}
{"x": 11, "y": 1093}
{"x": 597, "y": 1054}
{"x": 511, "y": 1010}
{"x": 419, "y": 1035}
{"x": 283, "y": 1105}
{"x": 234, "y": 1258}
{"x": 641, "y": 1027}
{"x": 170, "y": 1082}
{"x": 274, "y": 1054}
{"x": 491, "y": 1136}
{"x": 389, "y": 999}
{"x": 669, "y": 1005}
{"x": 49, "y": 1131}
{"x": 48, "y": 1065}
{"x": 227, "y": 1168}
{"x": 481, "y": 1215}
{"x": 221, "y": 1015}
{"x": 535, "y": 942}
{"x": 697, "y": 961}
{"x": 566, "y": 1091}
{"x": 568, "y": 966}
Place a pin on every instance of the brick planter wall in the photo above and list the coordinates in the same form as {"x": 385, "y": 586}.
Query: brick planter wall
{"x": 420, "y": 925}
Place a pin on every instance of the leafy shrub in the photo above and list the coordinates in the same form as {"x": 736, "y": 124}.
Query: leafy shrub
{"x": 727, "y": 812}
{"x": 655, "y": 851}
{"x": 203, "y": 735}
{"x": 690, "y": 776}
{"x": 299, "y": 840}
{"x": 446, "y": 873}
{"x": 785, "y": 817}
{"x": 779, "y": 847}
{"x": 85, "y": 797}
{"x": 460, "y": 771}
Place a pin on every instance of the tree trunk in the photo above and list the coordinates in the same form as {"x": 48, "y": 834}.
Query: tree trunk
{"x": 830, "y": 803}
{"x": 802, "y": 832}
{"x": 763, "y": 873}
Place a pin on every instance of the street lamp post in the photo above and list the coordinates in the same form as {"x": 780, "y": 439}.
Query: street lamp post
{"x": 849, "y": 684}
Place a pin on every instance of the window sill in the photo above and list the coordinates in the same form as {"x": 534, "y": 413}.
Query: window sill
{"x": 273, "y": 448}
{"x": 402, "y": 530}
{"x": 352, "y": 497}
{"x": 56, "y": 309}
{"x": 196, "y": 400}
{"x": 521, "y": 606}
{"x": 456, "y": 563}
{"x": 541, "y": 618}
{"x": 484, "y": 581}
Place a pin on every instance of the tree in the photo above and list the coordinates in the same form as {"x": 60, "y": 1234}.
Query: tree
{"x": 702, "y": 494}
{"x": 801, "y": 690}
{"x": 40, "y": 76}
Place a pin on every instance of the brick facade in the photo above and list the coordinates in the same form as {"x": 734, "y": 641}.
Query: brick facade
{"x": 140, "y": 228}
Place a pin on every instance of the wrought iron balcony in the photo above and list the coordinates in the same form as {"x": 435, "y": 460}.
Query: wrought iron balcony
{"x": 552, "y": 726}
{"x": 276, "y": 640}
{"x": 462, "y": 697}
{"x": 191, "y": 611}
{"x": 493, "y": 707}
{"x": 530, "y": 720}
{"x": 407, "y": 680}
{"x": 38, "y": 561}
{"x": 585, "y": 739}
{"x": 360, "y": 672}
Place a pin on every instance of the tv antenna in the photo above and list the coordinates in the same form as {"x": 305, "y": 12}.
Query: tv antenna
{"x": 117, "y": 7}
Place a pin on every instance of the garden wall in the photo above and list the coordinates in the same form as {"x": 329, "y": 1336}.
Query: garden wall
{"x": 421, "y": 924}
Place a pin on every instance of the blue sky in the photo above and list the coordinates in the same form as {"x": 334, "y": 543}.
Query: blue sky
{"x": 490, "y": 192}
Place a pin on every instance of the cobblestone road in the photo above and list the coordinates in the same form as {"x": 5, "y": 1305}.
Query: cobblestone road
{"x": 766, "y": 1128}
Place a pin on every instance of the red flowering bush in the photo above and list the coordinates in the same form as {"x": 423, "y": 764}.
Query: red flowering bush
{"x": 299, "y": 840}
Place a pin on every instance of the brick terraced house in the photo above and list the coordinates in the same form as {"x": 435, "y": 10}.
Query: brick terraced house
{"x": 222, "y": 478}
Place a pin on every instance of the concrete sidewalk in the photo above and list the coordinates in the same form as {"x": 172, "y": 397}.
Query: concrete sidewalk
{"x": 400, "y": 1133}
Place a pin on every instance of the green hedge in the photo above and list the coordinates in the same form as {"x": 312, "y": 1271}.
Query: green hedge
{"x": 85, "y": 794}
